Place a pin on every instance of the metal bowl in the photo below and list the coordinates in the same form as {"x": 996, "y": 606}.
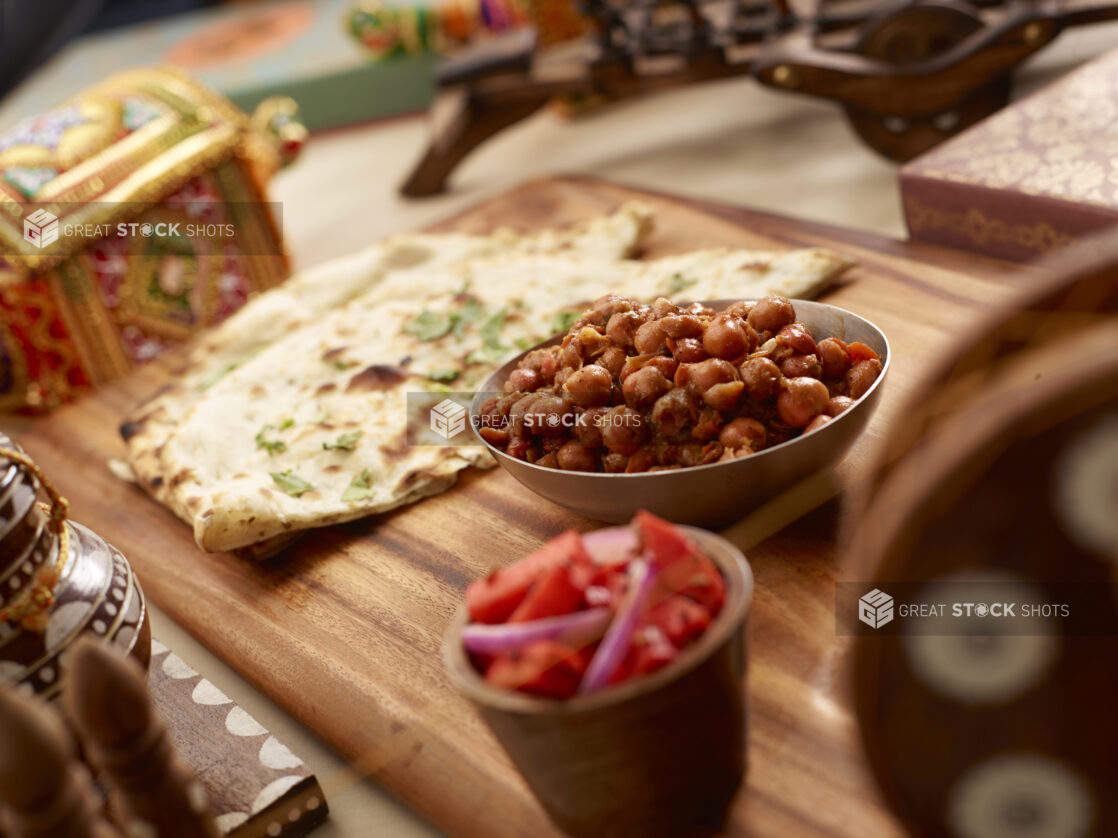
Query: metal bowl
{"x": 718, "y": 493}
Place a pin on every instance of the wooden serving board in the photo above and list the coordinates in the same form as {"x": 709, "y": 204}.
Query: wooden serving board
{"x": 344, "y": 632}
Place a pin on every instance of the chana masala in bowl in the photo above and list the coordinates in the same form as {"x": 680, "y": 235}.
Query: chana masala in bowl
{"x": 634, "y": 388}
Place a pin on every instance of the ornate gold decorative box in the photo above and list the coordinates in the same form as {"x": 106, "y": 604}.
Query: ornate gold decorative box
{"x": 1034, "y": 177}
{"x": 130, "y": 217}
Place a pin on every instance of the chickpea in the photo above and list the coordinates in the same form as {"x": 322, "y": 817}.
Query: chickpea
{"x": 700, "y": 310}
{"x": 800, "y": 365}
{"x": 588, "y": 429}
{"x": 522, "y": 380}
{"x": 741, "y": 309}
{"x": 499, "y": 411}
{"x": 705, "y": 374}
{"x": 553, "y": 443}
{"x": 610, "y": 304}
{"x": 650, "y": 338}
{"x": 662, "y": 307}
{"x": 682, "y": 326}
{"x": 614, "y": 463}
{"x": 726, "y": 337}
{"x": 548, "y": 460}
{"x": 590, "y": 386}
{"x": 861, "y": 376}
{"x": 644, "y": 387}
{"x": 547, "y": 363}
{"x": 838, "y": 404}
{"x": 622, "y": 327}
{"x": 801, "y": 400}
{"x": 570, "y": 356}
{"x": 772, "y": 314}
{"x": 520, "y": 409}
{"x": 689, "y": 454}
{"x": 623, "y": 430}
{"x": 574, "y": 456}
{"x": 642, "y": 460}
{"x": 743, "y": 431}
{"x": 613, "y": 359}
{"x": 548, "y": 416}
{"x": 817, "y": 423}
{"x": 534, "y": 360}
{"x": 666, "y": 365}
{"x": 674, "y": 411}
{"x": 497, "y": 437}
{"x": 834, "y": 356}
{"x": 798, "y": 337}
{"x": 762, "y": 378}
{"x": 688, "y": 350}
{"x": 724, "y": 396}
{"x": 490, "y": 407}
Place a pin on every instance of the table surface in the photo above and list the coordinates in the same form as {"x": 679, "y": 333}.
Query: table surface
{"x": 731, "y": 141}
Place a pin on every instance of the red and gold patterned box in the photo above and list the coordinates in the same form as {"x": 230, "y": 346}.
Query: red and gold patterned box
{"x": 130, "y": 217}
{"x": 1036, "y": 176}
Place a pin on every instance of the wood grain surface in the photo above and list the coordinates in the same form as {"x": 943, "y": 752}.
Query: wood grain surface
{"x": 344, "y": 631}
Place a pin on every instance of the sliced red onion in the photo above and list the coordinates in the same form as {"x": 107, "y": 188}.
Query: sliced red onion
{"x": 506, "y": 637}
{"x": 619, "y": 635}
{"x": 612, "y": 545}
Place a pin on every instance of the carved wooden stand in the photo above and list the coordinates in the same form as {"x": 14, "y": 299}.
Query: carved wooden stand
{"x": 907, "y": 74}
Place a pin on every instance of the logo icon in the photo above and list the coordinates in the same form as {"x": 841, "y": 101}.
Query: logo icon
{"x": 875, "y": 609}
{"x": 40, "y": 228}
{"x": 448, "y": 418}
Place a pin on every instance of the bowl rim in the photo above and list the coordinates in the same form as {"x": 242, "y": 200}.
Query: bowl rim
{"x": 753, "y": 458}
{"x": 738, "y": 575}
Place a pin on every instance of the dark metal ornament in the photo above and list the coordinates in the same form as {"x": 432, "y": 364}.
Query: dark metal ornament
{"x": 96, "y": 593}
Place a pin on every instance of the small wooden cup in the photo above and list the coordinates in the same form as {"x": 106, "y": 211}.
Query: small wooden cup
{"x": 661, "y": 755}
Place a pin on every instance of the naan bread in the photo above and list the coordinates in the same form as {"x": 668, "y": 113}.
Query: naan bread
{"x": 311, "y": 430}
{"x": 395, "y": 267}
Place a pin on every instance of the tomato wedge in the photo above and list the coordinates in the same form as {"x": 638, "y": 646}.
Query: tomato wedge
{"x": 680, "y": 619}
{"x": 663, "y": 539}
{"x": 683, "y": 567}
{"x": 494, "y": 598}
{"x": 555, "y": 592}
{"x": 544, "y": 668}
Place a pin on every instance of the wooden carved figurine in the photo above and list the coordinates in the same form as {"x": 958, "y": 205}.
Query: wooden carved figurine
{"x": 58, "y": 581}
{"x": 47, "y": 793}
